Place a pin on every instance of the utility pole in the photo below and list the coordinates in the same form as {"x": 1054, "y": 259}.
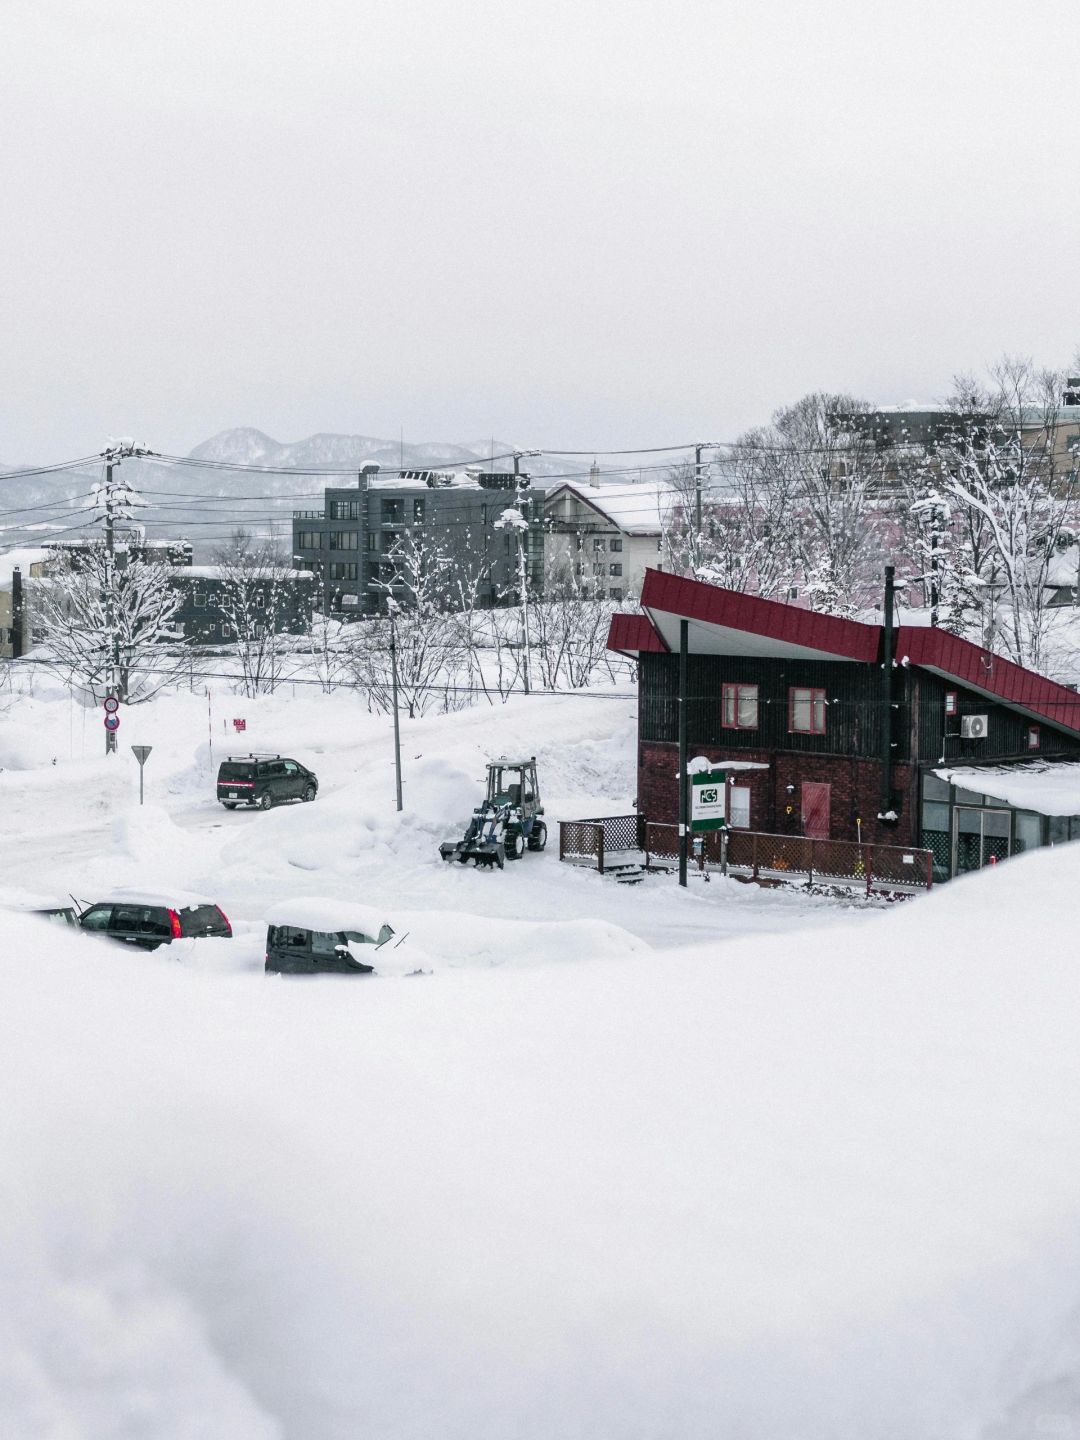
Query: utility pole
{"x": 112, "y": 637}
{"x": 522, "y": 484}
{"x": 697, "y": 490}
{"x": 684, "y": 819}
{"x": 113, "y": 453}
{"x": 391, "y": 605}
{"x": 698, "y": 519}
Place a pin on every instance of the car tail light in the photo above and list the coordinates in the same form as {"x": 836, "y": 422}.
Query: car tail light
{"x": 236, "y": 784}
{"x": 174, "y": 925}
{"x": 225, "y": 919}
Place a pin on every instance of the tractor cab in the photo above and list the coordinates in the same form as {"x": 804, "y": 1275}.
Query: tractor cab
{"x": 514, "y": 783}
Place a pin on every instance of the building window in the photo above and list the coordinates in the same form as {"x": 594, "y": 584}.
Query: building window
{"x": 418, "y": 511}
{"x": 599, "y": 544}
{"x": 793, "y": 592}
{"x": 226, "y": 630}
{"x": 393, "y": 512}
{"x": 950, "y": 702}
{"x": 260, "y": 601}
{"x": 199, "y": 600}
{"x": 806, "y": 711}
{"x": 343, "y": 570}
{"x": 1033, "y": 737}
{"x": 740, "y": 707}
{"x": 345, "y": 510}
{"x": 344, "y": 539}
{"x": 615, "y": 594}
{"x": 615, "y": 545}
{"x": 307, "y": 540}
{"x": 614, "y": 569}
{"x": 371, "y": 540}
{"x": 739, "y": 807}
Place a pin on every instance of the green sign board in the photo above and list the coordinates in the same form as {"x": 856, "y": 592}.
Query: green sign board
{"x": 708, "y": 807}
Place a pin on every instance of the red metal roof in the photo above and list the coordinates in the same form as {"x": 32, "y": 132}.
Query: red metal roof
{"x": 789, "y": 625}
{"x": 732, "y": 619}
{"x": 978, "y": 669}
{"x": 631, "y": 634}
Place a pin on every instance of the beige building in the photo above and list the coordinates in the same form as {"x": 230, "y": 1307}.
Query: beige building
{"x": 609, "y": 534}
{"x": 29, "y": 563}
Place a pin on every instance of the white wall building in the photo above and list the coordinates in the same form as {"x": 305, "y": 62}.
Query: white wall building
{"x": 610, "y": 533}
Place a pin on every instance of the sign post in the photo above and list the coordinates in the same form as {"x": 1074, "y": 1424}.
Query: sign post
{"x": 141, "y": 752}
{"x": 708, "y": 808}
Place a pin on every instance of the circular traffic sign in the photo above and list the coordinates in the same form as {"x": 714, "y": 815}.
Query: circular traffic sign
{"x": 112, "y": 704}
{"x": 112, "y": 722}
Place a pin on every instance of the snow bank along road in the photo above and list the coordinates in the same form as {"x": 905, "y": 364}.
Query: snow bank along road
{"x": 577, "y": 1182}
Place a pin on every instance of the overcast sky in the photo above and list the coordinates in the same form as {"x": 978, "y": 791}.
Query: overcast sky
{"x": 567, "y": 223}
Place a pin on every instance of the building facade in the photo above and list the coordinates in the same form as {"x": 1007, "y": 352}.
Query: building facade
{"x": 281, "y": 604}
{"x": 358, "y": 543}
{"x": 824, "y": 740}
{"x": 609, "y": 535}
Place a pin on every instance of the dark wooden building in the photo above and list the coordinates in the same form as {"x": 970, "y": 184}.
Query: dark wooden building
{"x": 824, "y": 742}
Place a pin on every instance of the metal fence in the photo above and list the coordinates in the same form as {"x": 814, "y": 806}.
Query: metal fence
{"x": 594, "y": 842}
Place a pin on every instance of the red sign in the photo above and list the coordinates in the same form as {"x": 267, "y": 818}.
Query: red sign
{"x": 239, "y": 724}
{"x": 112, "y": 704}
{"x": 112, "y": 722}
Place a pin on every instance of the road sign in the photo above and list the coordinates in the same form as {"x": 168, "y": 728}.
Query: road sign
{"x": 112, "y": 722}
{"x": 708, "y": 810}
{"x": 239, "y": 724}
{"x": 141, "y": 752}
{"x": 112, "y": 704}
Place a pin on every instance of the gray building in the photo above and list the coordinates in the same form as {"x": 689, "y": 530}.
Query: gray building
{"x": 355, "y": 545}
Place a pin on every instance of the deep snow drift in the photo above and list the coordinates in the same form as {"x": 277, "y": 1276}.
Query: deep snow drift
{"x": 584, "y": 1182}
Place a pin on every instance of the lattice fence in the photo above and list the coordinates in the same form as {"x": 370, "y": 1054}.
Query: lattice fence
{"x": 594, "y": 842}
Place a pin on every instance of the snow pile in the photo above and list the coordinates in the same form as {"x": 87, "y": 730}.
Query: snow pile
{"x": 821, "y": 1187}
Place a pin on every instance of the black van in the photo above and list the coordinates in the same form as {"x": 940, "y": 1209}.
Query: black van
{"x": 295, "y": 947}
{"x": 263, "y": 780}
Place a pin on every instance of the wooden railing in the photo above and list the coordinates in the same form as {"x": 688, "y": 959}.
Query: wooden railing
{"x": 783, "y": 857}
{"x": 589, "y": 841}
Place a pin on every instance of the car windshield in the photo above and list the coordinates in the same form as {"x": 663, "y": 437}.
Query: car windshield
{"x": 236, "y": 770}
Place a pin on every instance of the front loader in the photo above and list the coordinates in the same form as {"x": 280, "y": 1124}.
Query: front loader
{"x": 507, "y": 822}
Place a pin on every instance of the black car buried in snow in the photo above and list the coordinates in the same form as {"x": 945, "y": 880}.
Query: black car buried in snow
{"x": 320, "y": 936}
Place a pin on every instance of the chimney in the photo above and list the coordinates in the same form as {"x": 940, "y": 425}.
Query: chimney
{"x": 594, "y": 475}
{"x": 367, "y": 476}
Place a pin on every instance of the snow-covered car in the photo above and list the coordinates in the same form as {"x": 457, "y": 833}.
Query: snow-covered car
{"x": 319, "y": 936}
{"x": 147, "y": 920}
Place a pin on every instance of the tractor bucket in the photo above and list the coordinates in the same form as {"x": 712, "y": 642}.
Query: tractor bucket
{"x": 482, "y": 852}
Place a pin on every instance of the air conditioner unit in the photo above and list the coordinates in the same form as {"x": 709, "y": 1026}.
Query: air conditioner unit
{"x": 973, "y": 727}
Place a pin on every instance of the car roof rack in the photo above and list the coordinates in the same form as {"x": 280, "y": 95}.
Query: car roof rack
{"x": 255, "y": 755}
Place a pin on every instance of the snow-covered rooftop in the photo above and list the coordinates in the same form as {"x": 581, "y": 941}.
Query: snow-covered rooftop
{"x": 641, "y": 509}
{"x": 226, "y": 572}
{"x": 20, "y": 559}
{"x": 1049, "y": 789}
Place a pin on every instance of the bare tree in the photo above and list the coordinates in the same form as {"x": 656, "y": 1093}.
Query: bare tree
{"x": 427, "y": 640}
{"x": 1013, "y": 500}
{"x": 91, "y": 609}
{"x": 257, "y": 601}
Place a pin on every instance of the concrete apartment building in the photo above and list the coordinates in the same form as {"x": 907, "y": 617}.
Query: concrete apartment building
{"x": 349, "y": 545}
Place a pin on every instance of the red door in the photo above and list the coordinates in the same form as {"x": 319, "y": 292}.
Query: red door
{"x": 815, "y": 809}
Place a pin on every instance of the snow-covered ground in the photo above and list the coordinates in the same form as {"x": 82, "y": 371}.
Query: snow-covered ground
{"x": 626, "y": 1163}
